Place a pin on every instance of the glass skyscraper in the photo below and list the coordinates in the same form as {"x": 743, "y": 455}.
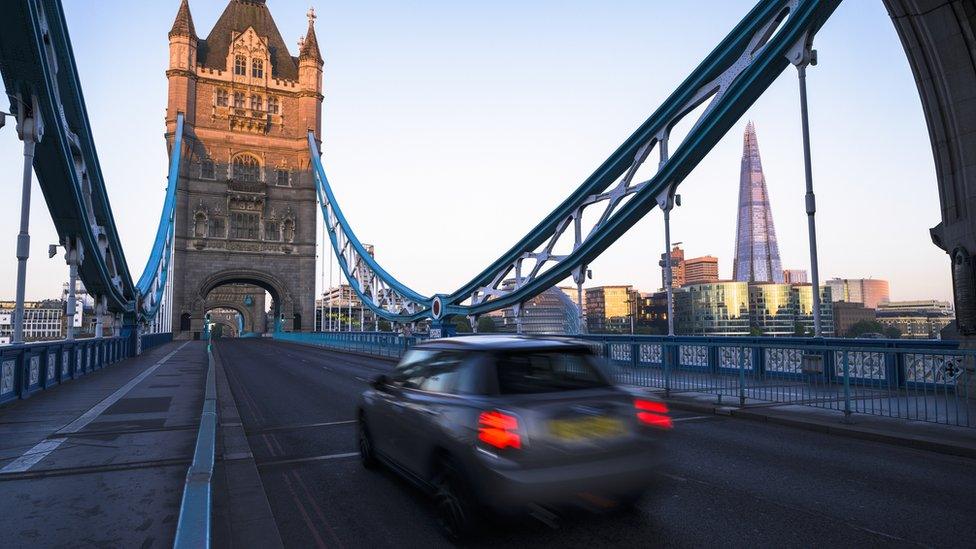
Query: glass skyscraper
{"x": 756, "y": 250}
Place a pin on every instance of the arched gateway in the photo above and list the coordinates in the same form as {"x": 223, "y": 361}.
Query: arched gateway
{"x": 245, "y": 216}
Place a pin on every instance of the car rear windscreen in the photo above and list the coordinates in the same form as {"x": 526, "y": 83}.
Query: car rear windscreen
{"x": 546, "y": 372}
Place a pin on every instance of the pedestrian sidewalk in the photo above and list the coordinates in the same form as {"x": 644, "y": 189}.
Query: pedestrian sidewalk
{"x": 102, "y": 461}
{"x": 934, "y": 437}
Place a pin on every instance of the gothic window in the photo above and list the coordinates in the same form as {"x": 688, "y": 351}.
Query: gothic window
{"x": 217, "y": 228}
{"x": 240, "y": 65}
{"x": 271, "y": 231}
{"x": 273, "y": 105}
{"x": 207, "y": 170}
{"x": 281, "y": 178}
{"x": 200, "y": 225}
{"x": 238, "y": 100}
{"x": 288, "y": 230}
{"x": 244, "y": 225}
{"x": 256, "y": 102}
{"x": 246, "y": 168}
{"x": 257, "y": 68}
{"x": 221, "y": 97}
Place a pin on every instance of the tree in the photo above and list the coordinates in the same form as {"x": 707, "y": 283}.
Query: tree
{"x": 799, "y": 330}
{"x": 862, "y": 327}
{"x": 461, "y": 324}
{"x": 385, "y": 326}
{"x": 892, "y": 332}
{"x": 486, "y": 325}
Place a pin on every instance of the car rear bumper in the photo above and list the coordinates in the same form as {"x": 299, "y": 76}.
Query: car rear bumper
{"x": 618, "y": 475}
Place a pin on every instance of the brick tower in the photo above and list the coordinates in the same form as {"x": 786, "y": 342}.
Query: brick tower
{"x": 245, "y": 220}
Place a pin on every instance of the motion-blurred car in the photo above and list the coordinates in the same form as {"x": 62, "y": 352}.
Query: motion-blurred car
{"x": 510, "y": 423}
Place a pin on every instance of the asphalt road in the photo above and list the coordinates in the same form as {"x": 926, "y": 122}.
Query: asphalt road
{"x": 728, "y": 482}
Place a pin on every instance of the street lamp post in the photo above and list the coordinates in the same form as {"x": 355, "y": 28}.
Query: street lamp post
{"x": 29, "y": 129}
{"x": 801, "y": 56}
{"x": 667, "y": 201}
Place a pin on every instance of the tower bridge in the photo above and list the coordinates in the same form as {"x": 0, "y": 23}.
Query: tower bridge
{"x": 247, "y": 443}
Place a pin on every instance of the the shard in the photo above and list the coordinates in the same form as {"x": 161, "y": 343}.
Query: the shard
{"x": 756, "y": 250}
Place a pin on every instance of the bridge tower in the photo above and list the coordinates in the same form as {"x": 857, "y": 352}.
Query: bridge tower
{"x": 246, "y": 205}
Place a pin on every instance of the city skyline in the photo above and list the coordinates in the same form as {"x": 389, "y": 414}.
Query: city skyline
{"x": 381, "y": 97}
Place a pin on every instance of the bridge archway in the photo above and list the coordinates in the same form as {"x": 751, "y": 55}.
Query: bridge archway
{"x": 938, "y": 37}
{"x": 212, "y": 293}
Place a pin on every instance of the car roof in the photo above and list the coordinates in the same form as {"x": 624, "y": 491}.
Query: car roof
{"x": 505, "y": 343}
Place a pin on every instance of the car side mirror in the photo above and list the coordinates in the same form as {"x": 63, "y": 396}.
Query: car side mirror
{"x": 380, "y": 382}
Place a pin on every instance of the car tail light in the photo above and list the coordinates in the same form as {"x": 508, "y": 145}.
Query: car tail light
{"x": 653, "y": 413}
{"x": 499, "y": 429}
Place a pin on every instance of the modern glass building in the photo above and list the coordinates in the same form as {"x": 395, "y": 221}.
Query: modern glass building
{"x": 721, "y": 308}
{"x": 734, "y": 308}
{"x": 550, "y": 313}
{"x": 756, "y": 250}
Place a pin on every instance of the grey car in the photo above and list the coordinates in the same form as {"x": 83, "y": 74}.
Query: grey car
{"x": 508, "y": 423}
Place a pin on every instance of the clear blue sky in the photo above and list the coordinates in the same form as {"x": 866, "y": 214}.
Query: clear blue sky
{"x": 451, "y": 128}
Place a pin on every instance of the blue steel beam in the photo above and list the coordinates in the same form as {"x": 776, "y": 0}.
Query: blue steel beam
{"x": 729, "y": 80}
{"x": 36, "y": 60}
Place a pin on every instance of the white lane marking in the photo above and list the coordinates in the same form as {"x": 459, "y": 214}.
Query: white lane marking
{"x": 44, "y": 448}
{"x": 692, "y": 418}
{"x": 32, "y": 456}
{"x": 308, "y": 459}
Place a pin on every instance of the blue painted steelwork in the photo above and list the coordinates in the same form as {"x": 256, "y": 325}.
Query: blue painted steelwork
{"x": 727, "y": 82}
{"x": 386, "y": 344}
{"x": 384, "y": 294}
{"x": 152, "y": 283}
{"x": 911, "y": 379}
{"x": 193, "y": 529}
{"x": 38, "y": 68}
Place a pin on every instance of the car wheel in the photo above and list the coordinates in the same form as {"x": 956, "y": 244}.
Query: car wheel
{"x": 367, "y": 452}
{"x": 454, "y": 503}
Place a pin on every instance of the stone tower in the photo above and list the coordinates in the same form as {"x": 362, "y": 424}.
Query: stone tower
{"x": 245, "y": 217}
{"x": 756, "y": 249}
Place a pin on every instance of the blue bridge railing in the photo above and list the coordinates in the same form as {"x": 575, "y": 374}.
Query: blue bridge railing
{"x": 31, "y": 367}
{"x": 923, "y": 380}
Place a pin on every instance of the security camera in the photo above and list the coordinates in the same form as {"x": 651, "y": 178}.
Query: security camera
{"x": 52, "y": 249}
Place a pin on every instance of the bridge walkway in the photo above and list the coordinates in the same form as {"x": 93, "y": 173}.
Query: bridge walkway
{"x": 102, "y": 461}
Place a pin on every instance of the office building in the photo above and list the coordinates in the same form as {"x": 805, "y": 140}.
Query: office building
{"x": 611, "y": 309}
{"x": 847, "y": 314}
{"x": 922, "y": 319}
{"x": 869, "y": 291}
{"x": 43, "y": 320}
{"x": 795, "y": 276}
{"x": 756, "y": 249}
{"x": 677, "y": 267}
{"x": 720, "y": 308}
{"x": 701, "y": 270}
{"x": 550, "y": 313}
{"x": 733, "y": 308}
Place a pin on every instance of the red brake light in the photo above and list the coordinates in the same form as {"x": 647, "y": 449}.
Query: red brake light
{"x": 499, "y": 429}
{"x": 653, "y": 413}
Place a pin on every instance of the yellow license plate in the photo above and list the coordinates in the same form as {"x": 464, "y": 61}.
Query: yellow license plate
{"x": 586, "y": 428}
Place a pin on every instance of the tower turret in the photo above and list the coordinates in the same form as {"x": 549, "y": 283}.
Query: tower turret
{"x": 310, "y": 79}
{"x": 182, "y": 64}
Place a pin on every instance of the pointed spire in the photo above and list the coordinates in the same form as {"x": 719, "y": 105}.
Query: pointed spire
{"x": 756, "y": 248}
{"x": 183, "y": 26}
{"x": 310, "y": 45}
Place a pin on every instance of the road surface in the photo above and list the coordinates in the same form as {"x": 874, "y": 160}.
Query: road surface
{"x": 727, "y": 482}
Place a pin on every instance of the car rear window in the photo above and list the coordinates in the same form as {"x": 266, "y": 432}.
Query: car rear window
{"x": 546, "y": 372}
